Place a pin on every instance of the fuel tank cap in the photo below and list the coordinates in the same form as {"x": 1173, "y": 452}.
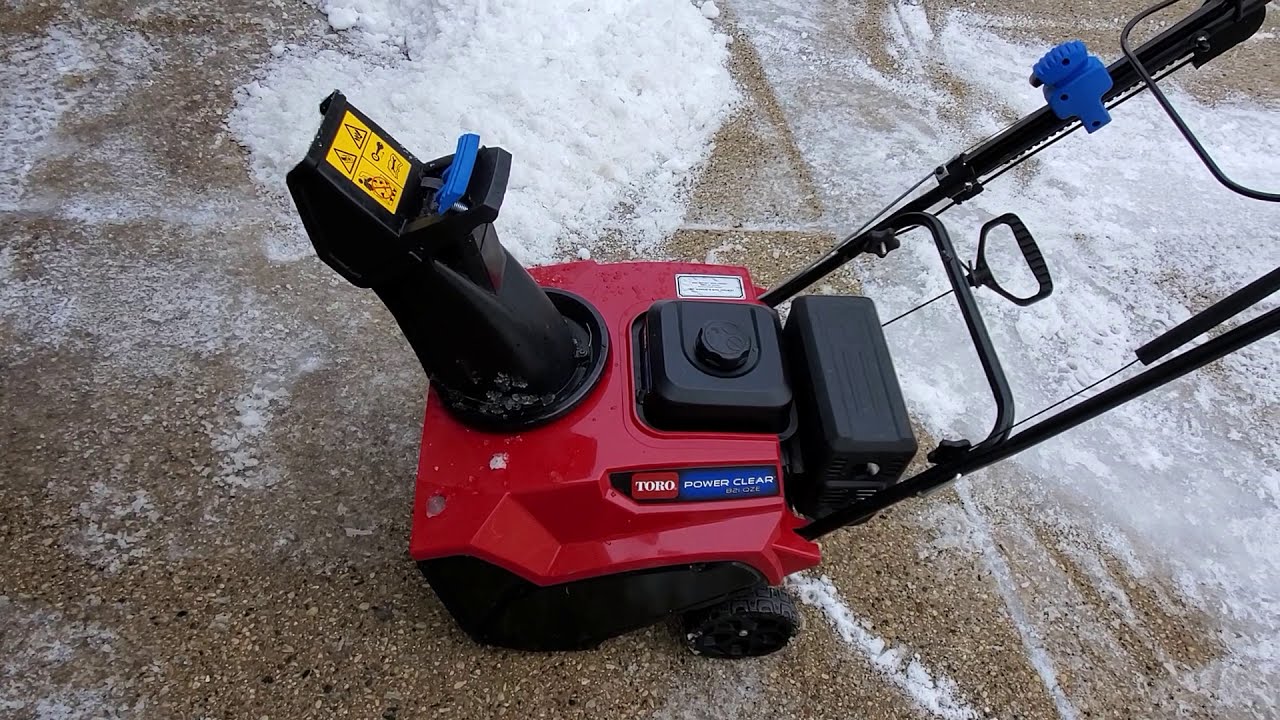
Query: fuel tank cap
{"x": 723, "y": 345}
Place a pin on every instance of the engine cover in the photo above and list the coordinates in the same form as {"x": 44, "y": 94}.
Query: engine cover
{"x": 712, "y": 365}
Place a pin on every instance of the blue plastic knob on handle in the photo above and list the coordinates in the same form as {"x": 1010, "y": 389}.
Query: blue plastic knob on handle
{"x": 1074, "y": 82}
{"x": 457, "y": 176}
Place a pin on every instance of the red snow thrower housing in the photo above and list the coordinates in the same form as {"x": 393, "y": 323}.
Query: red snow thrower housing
{"x": 609, "y": 445}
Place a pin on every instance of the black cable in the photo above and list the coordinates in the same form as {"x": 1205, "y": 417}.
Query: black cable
{"x": 1173, "y": 114}
{"x": 1120, "y": 99}
{"x": 885, "y": 210}
{"x": 1042, "y": 411}
{"x": 1076, "y": 394}
{"x": 835, "y": 252}
{"x": 921, "y": 305}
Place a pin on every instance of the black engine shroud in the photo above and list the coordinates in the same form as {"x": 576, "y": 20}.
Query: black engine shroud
{"x": 826, "y": 383}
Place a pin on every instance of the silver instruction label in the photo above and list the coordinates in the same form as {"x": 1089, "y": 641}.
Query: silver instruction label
{"x": 721, "y": 287}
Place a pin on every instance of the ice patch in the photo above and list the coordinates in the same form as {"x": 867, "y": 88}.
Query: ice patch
{"x": 932, "y": 692}
{"x": 498, "y": 462}
{"x": 140, "y": 315}
{"x": 140, "y": 307}
{"x": 950, "y": 529}
{"x": 583, "y": 95}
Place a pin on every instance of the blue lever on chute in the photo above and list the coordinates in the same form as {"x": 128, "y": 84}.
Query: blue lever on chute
{"x": 457, "y": 176}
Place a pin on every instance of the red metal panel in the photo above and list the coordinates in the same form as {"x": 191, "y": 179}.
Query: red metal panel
{"x": 540, "y": 504}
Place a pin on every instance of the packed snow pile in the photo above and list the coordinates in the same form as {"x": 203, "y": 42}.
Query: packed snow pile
{"x": 607, "y": 106}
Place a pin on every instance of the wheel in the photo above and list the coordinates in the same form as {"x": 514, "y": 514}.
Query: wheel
{"x": 751, "y": 623}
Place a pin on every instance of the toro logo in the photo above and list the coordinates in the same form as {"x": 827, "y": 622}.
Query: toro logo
{"x": 655, "y": 486}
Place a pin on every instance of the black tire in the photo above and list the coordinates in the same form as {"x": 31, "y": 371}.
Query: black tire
{"x": 751, "y": 623}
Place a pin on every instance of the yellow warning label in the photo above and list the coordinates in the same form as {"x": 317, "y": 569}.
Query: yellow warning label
{"x": 369, "y": 162}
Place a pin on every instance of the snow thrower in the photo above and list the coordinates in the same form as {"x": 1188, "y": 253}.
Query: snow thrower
{"x": 607, "y": 445}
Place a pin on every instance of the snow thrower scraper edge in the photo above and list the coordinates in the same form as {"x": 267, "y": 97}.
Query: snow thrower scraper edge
{"x": 608, "y": 445}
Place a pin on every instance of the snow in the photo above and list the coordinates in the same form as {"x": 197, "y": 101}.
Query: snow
{"x": 342, "y": 18}
{"x": 48, "y": 75}
{"x": 238, "y": 441}
{"x": 733, "y": 691}
{"x": 143, "y": 281}
{"x": 498, "y": 461}
{"x": 1138, "y": 237}
{"x": 603, "y": 131}
{"x": 709, "y": 10}
{"x": 45, "y": 671}
{"x": 933, "y": 692}
{"x": 1033, "y": 644}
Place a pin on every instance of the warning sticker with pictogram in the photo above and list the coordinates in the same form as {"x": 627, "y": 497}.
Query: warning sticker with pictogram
{"x": 347, "y": 159}
{"x": 358, "y": 134}
{"x": 369, "y": 161}
{"x": 377, "y": 185}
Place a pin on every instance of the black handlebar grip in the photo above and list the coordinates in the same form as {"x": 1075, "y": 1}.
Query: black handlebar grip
{"x": 981, "y": 274}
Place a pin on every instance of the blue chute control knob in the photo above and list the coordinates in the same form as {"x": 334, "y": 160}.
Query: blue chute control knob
{"x": 1074, "y": 82}
{"x": 457, "y": 176}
